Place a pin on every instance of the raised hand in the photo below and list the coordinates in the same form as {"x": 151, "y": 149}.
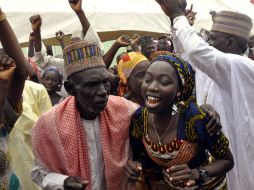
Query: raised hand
{"x": 7, "y": 67}
{"x": 173, "y": 8}
{"x": 191, "y": 15}
{"x": 135, "y": 39}
{"x": 75, "y": 183}
{"x": 2, "y": 15}
{"x": 59, "y": 35}
{"x": 36, "y": 22}
{"x": 76, "y": 5}
{"x": 123, "y": 41}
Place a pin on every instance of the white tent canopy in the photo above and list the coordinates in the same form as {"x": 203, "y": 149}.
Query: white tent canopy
{"x": 108, "y": 15}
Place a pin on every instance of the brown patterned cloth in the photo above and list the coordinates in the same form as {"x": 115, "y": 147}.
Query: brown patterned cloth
{"x": 232, "y": 23}
{"x": 80, "y": 56}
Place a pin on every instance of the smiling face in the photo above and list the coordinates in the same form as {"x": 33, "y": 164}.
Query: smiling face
{"x": 160, "y": 87}
{"x": 91, "y": 90}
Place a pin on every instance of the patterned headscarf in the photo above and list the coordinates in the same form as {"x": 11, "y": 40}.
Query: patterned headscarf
{"x": 54, "y": 69}
{"x": 125, "y": 67}
{"x": 127, "y": 63}
{"x": 154, "y": 55}
{"x": 185, "y": 75}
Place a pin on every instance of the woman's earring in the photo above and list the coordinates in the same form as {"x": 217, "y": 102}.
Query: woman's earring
{"x": 174, "y": 109}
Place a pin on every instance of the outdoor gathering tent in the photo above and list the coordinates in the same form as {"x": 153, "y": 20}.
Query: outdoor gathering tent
{"x": 110, "y": 18}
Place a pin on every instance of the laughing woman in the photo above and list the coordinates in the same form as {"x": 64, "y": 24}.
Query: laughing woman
{"x": 170, "y": 144}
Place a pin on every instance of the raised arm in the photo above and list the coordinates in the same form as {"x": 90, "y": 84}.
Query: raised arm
{"x": 216, "y": 64}
{"x": 88, "y": 34}
{"x": 13, "y": 50}
{"x": 36, "y": 23}
{"x": 7, "y": 67}
{"x": 76, "y": 5}
{"x": 31, "y": 45}
{"x": 60, "y": 38}
{"x": 122, "y": 41}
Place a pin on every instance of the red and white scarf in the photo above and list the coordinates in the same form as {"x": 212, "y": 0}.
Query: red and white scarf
{"x": 59, "y": 141}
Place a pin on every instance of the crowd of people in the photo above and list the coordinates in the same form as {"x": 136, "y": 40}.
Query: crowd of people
{"x": 171, "y": 114}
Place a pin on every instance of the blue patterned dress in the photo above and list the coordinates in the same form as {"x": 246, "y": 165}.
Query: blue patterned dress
{"x": 192, "y": 146}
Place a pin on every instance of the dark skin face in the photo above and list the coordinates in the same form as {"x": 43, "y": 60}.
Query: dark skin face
{"x": 148, "y": 50}
{"x": 218, "y": 40}
{"x": 224, "y": 42}
{"x": 160, "y": 87}
{"x": 251, "y": 42}
{"x": 163, "y": 45}
{"x": 135, "y": 82}
{"x": 91, "y": 89}
{"x": 51, "y": 81}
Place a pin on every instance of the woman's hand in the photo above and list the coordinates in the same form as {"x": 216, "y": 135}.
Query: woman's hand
{"x": 182, "y": 175}
{"x": 133, "y": 171}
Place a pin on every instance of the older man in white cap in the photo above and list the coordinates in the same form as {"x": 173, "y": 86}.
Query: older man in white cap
{"x": 224, "y": 78}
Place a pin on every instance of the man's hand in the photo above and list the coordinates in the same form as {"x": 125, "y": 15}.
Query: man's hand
{"x": 75, "y": 183}
{"x": 36, "y": 22}
{"x": 181, "y": 174}
{"x": 191, "y": 15}
{"x": 133, "y": 171}
{"x": 214, "y": 126}
{"x": 59, "y": 35}
{"x": 173, "y": 8}
{"x": 7, "y": 67}
{"x": 2, "y": 15}
{"x": 76, "y": 5}
{"x": 135, "y": 39}
{"x": 123, "y": 41}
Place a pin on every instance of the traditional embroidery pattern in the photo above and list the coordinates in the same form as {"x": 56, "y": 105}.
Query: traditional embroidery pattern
{"x": 180, "y": 151}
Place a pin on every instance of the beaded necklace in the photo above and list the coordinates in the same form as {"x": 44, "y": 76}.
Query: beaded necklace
{"x": 168, "y": 127}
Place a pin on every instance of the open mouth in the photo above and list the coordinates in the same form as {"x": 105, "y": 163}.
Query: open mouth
{"x": 102, "y": 103}
{"x": 152, "y": 101}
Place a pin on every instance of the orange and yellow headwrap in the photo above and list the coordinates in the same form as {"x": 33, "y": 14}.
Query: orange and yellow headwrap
{"x": 127, "y": 63}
